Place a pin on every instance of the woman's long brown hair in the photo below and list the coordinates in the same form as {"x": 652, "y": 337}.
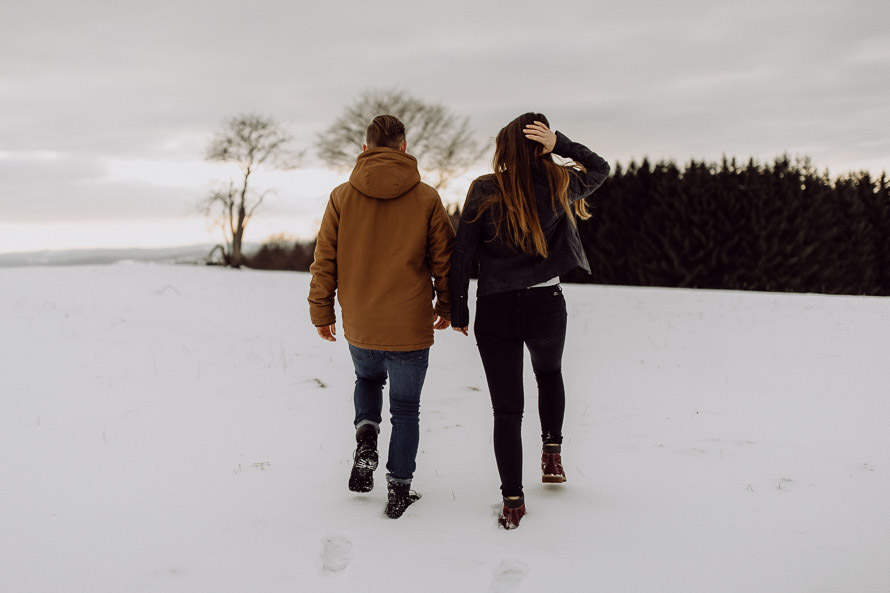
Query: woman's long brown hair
{"x": 517, "y": 161}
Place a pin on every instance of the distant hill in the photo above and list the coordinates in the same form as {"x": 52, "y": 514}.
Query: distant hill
{"x": 191, "y": 254}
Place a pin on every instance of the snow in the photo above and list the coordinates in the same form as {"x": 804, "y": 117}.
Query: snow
{"x": 179, "y": 428}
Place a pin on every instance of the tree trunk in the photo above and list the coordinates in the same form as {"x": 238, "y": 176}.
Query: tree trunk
{"x": 236, "y": 243}
{"x": 238, "y": 227}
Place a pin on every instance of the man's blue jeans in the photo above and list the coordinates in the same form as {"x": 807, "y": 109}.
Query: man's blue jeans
{"x": 406, "y": 372}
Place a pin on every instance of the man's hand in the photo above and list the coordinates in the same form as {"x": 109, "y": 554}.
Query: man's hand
{"x": 462, "y": 330}
{"x": 441, "y": 323}
{"x": 327, "y": 332}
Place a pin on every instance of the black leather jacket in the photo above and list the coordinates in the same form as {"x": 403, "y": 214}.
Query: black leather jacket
{"x": 502, "y": 267}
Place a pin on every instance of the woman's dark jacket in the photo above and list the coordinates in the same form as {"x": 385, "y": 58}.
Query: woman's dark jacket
{"x": 501, "y": 266}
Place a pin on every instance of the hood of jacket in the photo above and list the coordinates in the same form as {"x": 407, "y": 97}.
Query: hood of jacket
{"x": 384, "y": 173}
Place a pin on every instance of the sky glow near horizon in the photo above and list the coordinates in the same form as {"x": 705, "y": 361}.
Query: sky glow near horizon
{"x": 106, "y": 110}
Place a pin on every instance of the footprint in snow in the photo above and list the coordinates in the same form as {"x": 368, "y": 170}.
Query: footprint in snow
{"x": 336, "y": 553}
{"x": 508, "y": 576}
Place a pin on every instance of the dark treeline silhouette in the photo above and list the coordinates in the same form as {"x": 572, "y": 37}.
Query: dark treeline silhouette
{"x": 778, "y": 227}
{"x": 280, "y": 254}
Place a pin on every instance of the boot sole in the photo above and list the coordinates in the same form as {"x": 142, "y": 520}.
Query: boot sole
{"x": 366, "y": 464}
{"x": 552, "y": 479}
{"x": 362, "y": 477}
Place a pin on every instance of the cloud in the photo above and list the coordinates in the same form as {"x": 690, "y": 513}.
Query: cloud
{"x": 99, "y": 84}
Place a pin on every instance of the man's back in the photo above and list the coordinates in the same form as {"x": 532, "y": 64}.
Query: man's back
{"x": 385, "y": 245}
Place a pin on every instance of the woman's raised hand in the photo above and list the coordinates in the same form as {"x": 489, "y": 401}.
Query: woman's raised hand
{"x": 541, "y": 133}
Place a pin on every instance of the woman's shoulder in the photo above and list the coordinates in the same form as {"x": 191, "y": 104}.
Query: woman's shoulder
{"x": 481, "y": 189}
{"x": 484, "y": 185}
{"x": 488, "y": 179}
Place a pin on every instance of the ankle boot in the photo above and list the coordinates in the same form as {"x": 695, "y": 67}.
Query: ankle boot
{"x": 365, "y": 459}
{"x": 399, "y": 496}
{"x": 514, "y": 510}
{"x": 551, "y": 464}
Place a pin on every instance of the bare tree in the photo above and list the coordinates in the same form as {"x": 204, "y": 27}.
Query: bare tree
{"x": 443, "y": 143}
{"x": 251, "y": 142}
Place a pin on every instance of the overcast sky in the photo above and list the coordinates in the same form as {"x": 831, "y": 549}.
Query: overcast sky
{"x": 106, "y": 108}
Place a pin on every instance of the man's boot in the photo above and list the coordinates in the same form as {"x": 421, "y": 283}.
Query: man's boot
{"x": 551, "y": 464}
{"x": 364, "y": 459}
{"x": 399, "y": 497}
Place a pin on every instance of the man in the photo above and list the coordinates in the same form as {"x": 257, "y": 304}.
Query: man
{"x": 384, "y": 248}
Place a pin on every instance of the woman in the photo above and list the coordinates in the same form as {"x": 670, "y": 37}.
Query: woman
{"x": 518, "y": 232}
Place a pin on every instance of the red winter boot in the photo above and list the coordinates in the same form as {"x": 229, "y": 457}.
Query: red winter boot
{"x": 551, "y": 465}
{"x": 514, "y": 510}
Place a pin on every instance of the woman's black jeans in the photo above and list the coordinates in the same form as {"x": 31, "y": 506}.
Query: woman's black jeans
{"x": 535, "y": 318}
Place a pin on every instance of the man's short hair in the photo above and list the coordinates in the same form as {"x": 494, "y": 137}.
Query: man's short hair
{"x": 385, "y": 131}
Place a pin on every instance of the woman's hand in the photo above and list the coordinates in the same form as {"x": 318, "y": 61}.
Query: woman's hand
{"x": 462, "y": 330}
{"x": 541, "y": 133}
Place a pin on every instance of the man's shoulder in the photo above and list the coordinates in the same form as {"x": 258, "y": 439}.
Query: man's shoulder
{"x": 341, "y": 189}
{"x": 424, "y": 192}
{"x": 343, "y": 193}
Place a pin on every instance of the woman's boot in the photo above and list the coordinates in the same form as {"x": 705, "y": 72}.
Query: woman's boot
{"x": 551, "y": 464}
{"x": 514, "y": 510}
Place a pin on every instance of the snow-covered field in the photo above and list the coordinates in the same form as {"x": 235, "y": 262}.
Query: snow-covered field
{"x": 177, "y": 428}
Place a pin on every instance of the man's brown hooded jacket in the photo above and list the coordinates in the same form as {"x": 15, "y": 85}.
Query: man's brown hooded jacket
{"x": 385, "y": 248}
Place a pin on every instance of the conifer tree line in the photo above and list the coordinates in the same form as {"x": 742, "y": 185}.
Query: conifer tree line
{"x": 779, "y": 227}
